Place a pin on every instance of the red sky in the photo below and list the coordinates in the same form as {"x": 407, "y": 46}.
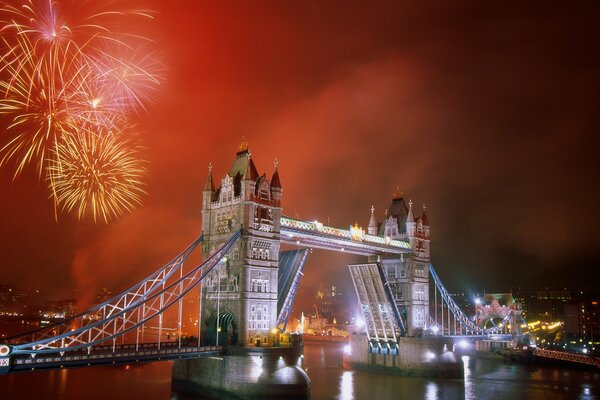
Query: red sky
{"x": 486, "y": 112}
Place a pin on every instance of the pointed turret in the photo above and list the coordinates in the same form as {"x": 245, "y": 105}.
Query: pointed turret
{"x": 425, "y": 222}
{"x": 210, "y": 185}
{"x": 410, "y": 217}
{"x": 410, "y": 221}
{"x": 249, "y": 178}
{"x": 372, "y": 229}
{"x": 251, "y": 173}
{"x": 424, "y": 216}
{"x": 276, "y": 183}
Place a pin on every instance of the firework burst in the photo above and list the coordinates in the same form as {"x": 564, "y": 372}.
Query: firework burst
{"x": 97, "y": 174}
{"x": 67, "y": 77}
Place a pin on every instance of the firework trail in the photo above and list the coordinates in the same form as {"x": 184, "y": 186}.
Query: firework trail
{"x": 68, "y": 76}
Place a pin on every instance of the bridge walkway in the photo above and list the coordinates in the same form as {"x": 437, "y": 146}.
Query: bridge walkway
{"x": 104, "y": 355}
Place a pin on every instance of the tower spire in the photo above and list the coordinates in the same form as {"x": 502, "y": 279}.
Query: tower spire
{"x": 275, "y": 182}
{"x": 251, "y": 173}
{"x": 410, "y": 217}
{"x": 210, "y": 186}
{"x": 372, "y": 229}
{"x": 424, "y": 216}
{"x": 243, "y": 146}
{"x": 398, "y": 194}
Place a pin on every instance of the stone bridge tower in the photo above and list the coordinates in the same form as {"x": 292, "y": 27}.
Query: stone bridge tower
{"x": 244, "y": 286}
{"x": 408, "y": 276}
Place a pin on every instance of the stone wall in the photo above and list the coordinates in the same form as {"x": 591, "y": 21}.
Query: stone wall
{"x": 430, "y": 357}
{"x": 245, "y": 373}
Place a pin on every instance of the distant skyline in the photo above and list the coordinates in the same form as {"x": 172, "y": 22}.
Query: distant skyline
{"x": 488, "y": 114}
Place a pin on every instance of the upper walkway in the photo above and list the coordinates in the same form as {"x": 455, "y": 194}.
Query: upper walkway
{"x": 354, "y": 240}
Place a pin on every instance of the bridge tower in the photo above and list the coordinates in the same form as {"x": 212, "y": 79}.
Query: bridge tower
{"x": 244, "y": 287}
{"x": 408, "y": 275}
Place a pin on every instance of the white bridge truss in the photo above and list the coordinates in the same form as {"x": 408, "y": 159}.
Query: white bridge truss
{"x": 127, "y": 312}
{"x": 454, "y": 322}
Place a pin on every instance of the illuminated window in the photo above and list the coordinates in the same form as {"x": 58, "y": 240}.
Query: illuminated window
{"x": 391, "y": 270}
{"x": 259, "y": 285}
{"x": 403, "y": 271}
{"x": 419, "y": 292}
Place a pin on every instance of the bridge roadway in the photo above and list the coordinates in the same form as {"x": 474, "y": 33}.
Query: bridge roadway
{"x": 107, "y": 355}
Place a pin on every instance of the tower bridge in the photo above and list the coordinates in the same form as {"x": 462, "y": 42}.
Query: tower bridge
{"x": 247, "y": 284}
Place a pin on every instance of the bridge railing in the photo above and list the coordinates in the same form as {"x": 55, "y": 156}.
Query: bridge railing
{"x": 455, "y": 322}
{"x": 126, "y": 299}
{"x": 130, "y": 317}
{"x": 318, "y": 229}
{"x": 566, "y": 356}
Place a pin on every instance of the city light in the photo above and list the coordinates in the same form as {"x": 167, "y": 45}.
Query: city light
{"x": 360, "y": 322}
{"x": 463, "y": 344}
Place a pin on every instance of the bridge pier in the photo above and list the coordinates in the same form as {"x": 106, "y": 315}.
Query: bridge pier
{"x": 245, "y": 373}
{"x": 424, "y": 357}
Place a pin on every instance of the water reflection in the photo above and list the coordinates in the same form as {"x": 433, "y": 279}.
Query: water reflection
{"x": 347, "y": 386}
{"x": 63, "y": 382}
{"x": 484, "y": 379}
{"x": 431, "y": 391}
{"x": 468, "y": 377}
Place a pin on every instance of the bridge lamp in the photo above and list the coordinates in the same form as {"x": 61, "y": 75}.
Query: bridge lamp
{"x": 435, "y": 330}
{"x": 347, "y": 349}
{"x": 463, "y": 344}
{"x": 429, "y": 355}
{"x": 360, "y": 322}
{"x": 478, "y": 301}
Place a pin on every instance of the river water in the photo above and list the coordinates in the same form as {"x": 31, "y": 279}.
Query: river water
{"x": 484, "y": 379}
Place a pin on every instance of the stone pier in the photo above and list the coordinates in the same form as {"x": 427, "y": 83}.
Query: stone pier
{"x": 426, "y": 357}
{"x": 245, "y": 373}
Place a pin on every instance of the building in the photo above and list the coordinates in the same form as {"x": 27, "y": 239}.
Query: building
{"x": 543, "y": 304}
{"x": 244, "y": 287}
{"x": 582, "y": 320}
{"x": 408, "y": 276}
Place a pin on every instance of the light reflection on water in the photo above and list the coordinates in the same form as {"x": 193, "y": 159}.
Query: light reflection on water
{"x": 484, "y": 379}
{"x": 346, "y": 386}
{"x": 431, "y": 391}
{"x": 468, "y": 378}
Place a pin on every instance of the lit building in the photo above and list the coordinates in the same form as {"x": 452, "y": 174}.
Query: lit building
{"x": 545, "y": 304}
{"x": 408, "y": 276}
{"x": 583, "y": 316}
{"x": 244, "y": 287}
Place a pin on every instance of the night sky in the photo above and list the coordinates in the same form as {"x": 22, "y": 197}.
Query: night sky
{"x": 487, "y": 112}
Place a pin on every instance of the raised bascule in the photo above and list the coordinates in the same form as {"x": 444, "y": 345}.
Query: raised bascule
{"x": 247, "y": 284}
{"x": 247, "y": 287}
